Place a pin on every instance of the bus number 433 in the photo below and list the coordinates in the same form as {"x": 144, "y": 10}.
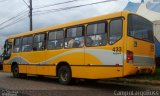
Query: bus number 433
{"x": 117, "y": 50}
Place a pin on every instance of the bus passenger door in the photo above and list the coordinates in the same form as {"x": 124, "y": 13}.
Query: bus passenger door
{"x": 39, "y": 53}
{"x": 116, "y": 45}
{"x": 116, "y": 41}
{"x": 33, "y": 53}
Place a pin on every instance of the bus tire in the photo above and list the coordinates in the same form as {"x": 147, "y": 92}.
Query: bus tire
{"x": 16, "y": 74}
{"x": 15, "y": 71}
{"x": 64, "y": 75}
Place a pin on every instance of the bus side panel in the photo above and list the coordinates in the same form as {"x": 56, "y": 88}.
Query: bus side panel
{"x": 42, "y": 70}
{"x": 6, "y": 68}
{"x": 52, "y": 70}
{"x": 22, "y": 68}
{"x": 96, "y": 72}
{"x": 70, "y": 56}
{"x": 32, "y": 61}
{"x": 31, "y": 69}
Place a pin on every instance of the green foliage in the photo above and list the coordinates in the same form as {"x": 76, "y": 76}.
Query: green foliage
{"x": 158, "y": 71}
{"x": 155, "y": 76}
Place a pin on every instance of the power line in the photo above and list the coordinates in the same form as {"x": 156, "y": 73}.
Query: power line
{"x": 25, "y": 3}
{"x": 56, "y": 4}
{"x": 21, "y": 13}
{"x": 3, "y": 0}
{"x": 14, "y": 22}
{"x": 14, "y": 17}
{"x": 24, "y": 15}
{"x": 48, "y": 11}
{"x": 18, "y": 19}
{"x": 67, "y": 8}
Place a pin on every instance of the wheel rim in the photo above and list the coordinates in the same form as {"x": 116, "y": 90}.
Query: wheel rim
{"x": 15, "y": 71}
{"x": 64, "y": 75}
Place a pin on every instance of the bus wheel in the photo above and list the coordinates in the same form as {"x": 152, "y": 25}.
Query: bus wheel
{"x": 64, "y": 75}
{"x": 15, "y": 71}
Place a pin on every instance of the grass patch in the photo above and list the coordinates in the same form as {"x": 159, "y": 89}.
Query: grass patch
{"x": 158, "y": 71}
{"x": 145, "y": 79}
{"x": 155, "y": 76}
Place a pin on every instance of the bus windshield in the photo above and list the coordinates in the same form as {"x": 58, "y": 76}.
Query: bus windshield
{"x": 140, "y": 28}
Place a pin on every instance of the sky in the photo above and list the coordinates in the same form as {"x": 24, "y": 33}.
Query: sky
{"x": 10, "y": 8}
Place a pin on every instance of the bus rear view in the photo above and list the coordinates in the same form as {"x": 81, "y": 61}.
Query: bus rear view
{"x": 140, "y": 51}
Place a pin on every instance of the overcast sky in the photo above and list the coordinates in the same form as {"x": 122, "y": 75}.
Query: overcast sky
{"x": 10, "y": 8}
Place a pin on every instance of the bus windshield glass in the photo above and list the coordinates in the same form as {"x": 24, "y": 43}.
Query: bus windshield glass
{"x": 140, "y": 28}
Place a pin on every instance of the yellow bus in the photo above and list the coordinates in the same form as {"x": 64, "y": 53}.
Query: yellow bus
{"x": 107, "y": 46}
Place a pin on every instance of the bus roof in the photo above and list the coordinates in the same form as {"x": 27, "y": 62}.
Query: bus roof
{"x": 59, "y": 26}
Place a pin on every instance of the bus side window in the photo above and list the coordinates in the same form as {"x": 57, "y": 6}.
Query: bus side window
{"x": 74, "y": 37}
{"x": 115, "y": 32}
{"x": 17, "y": 45}
{"x": 39, "y": 42}
{"x": 9, "y": 47}
{"x": 55, "y": 39}
{"x": 96, "y": 34}
{"x": 27, "y": 43}
{"x": 7, "y": 50}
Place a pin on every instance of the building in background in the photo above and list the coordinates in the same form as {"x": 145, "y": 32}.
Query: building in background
{"x": 157, "y": 40}
{"x": 149, "y": 9}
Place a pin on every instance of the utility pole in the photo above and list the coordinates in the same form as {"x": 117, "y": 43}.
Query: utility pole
{"x": 30, "y": 14}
